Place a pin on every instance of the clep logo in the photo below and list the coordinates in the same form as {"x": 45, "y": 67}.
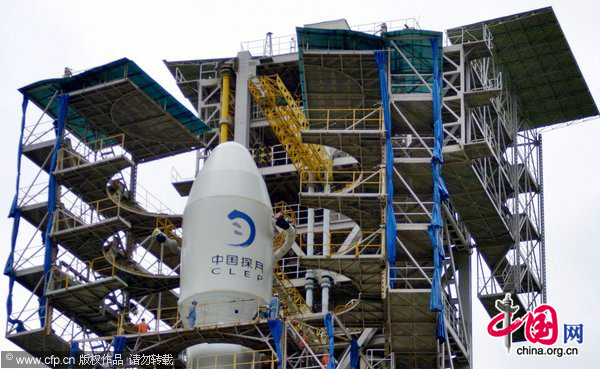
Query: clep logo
{"x": 234, "y": 216}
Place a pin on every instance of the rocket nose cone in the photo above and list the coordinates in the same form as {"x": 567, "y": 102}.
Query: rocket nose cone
{"x": 230, "y": 156}
{"x": 230, "y": 171}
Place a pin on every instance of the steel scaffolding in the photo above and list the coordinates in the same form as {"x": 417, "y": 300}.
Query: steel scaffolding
{"x": 314, "y": 115}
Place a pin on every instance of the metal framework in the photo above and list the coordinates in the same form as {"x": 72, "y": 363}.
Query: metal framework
{"x": 324, "y": 162}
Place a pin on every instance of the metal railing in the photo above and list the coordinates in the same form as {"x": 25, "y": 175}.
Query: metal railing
{"x": 278, "y": 46}
{"x": 207, "y": 314}
{"x": 85, "y": 213}
{"x": 454, "y": 320}
{"x": 30, "y": 256}
{"x": 411, "y": 276}
{"x": 377, "y": 359}
{"x": 33, "y": 194}
{"x": 302, "y": 216}
{"x": 421, "y": 146}
{"x": 263, "y": 359}
{"x": 38, "y": 132}
{"x": 177, "y": 178}
{"x": 270, "y": 156}
{"x": 270, "y": 46}
{"x": 343, "y": 183}
{"x": 291, "y": 267}
{"x": 151, "y": 203}
{"x": 410, "y": 83}
{"x": 345, "y": 119}
{"x": 83, "y": 153}
{"x": 470, "y": 35}
{"x": 390, "y": 25}
{"x": 413, "y": 211}
{"x": 367, "y": 243}
{"x": 292, "y": 302}
{"x": 81, "y": 272}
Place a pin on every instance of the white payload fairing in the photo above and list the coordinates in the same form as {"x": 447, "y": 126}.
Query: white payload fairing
{"x": 227, "y": 253}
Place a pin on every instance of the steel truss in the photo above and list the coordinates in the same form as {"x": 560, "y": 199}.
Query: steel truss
{"x": 104, "y": 263}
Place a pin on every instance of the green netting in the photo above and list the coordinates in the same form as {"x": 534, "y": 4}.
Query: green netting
{"x": 332, "y": 39}
{"x": 416, "y": 47}
{"x": 414, "y": 44}
{"x": 337, "y": 39}
{"x": 42, "y": 92}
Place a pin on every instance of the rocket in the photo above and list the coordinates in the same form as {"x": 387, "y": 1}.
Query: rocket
{"x": 227, "y": 251}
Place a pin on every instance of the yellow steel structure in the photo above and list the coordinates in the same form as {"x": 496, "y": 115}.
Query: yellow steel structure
{"x": 297, "y": 305}
{"x": 285, "y": 285}
{"x": 287, "y": 120}
{"x": 224, "y": 121}
{"x": 286, "y": 210}
{"x": 292, "y": 302}
{"x": 169, "y": 228}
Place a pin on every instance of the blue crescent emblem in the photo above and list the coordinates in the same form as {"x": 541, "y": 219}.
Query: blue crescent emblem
{"x": 236, "y": 214}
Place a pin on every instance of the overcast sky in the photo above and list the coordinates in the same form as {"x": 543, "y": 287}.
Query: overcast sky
{"x": 39, "y": 38}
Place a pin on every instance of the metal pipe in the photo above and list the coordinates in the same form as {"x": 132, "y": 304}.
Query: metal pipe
{"x": 290, "y": 237}
{"x": 310, "y": 234}
{"x": 326, "y": 283}
{"x": 225, "y": 121}
{"x": 326, "y": 229}
{"x": 310, "y": 287}
{"x": 310, "y": 250}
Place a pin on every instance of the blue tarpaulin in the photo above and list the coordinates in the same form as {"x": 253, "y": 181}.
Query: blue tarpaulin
{"x": 276, "y": 328}
{"x": 63, "y": 104}
{"x": 118, "y": 345}
{"x": 329, "y": 329}
{"x": 354, "y": 354}
{"x": 73, "y": 354}
{"x": 390, "y": 217}
{"x": 440, "y": 194}
{"x": 15, "y": 213}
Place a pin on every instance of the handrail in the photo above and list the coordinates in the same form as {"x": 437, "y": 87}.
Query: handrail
{"x": 371, "y": 243}
{"x": 68, "y": 279}
{"x": 89, "y": 213}
{"x": 345, "y": 119}
{"x": 236, "y": 360}
{"x": 83, "y": 153}
{"x": 343, "y": 182}
{"x": 209, "y": 314}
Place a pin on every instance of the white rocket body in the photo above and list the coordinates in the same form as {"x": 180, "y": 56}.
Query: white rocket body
{"x": 221, "y": 356}
{"x": 226, "y": 258}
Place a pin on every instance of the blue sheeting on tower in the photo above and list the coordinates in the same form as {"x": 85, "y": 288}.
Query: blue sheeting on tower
{"x": 390, "y": 217}
{"x": 15, "y": 213}
{"x": 276, "y": 328}
{"x": 329, "y": 329}
{"x": 73, "y": 354}
{"x": 440, "y": 193}
{"x": 354, "y": 355}
{"x": 63, "y": 104}
{"x": 118, "y": 345}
